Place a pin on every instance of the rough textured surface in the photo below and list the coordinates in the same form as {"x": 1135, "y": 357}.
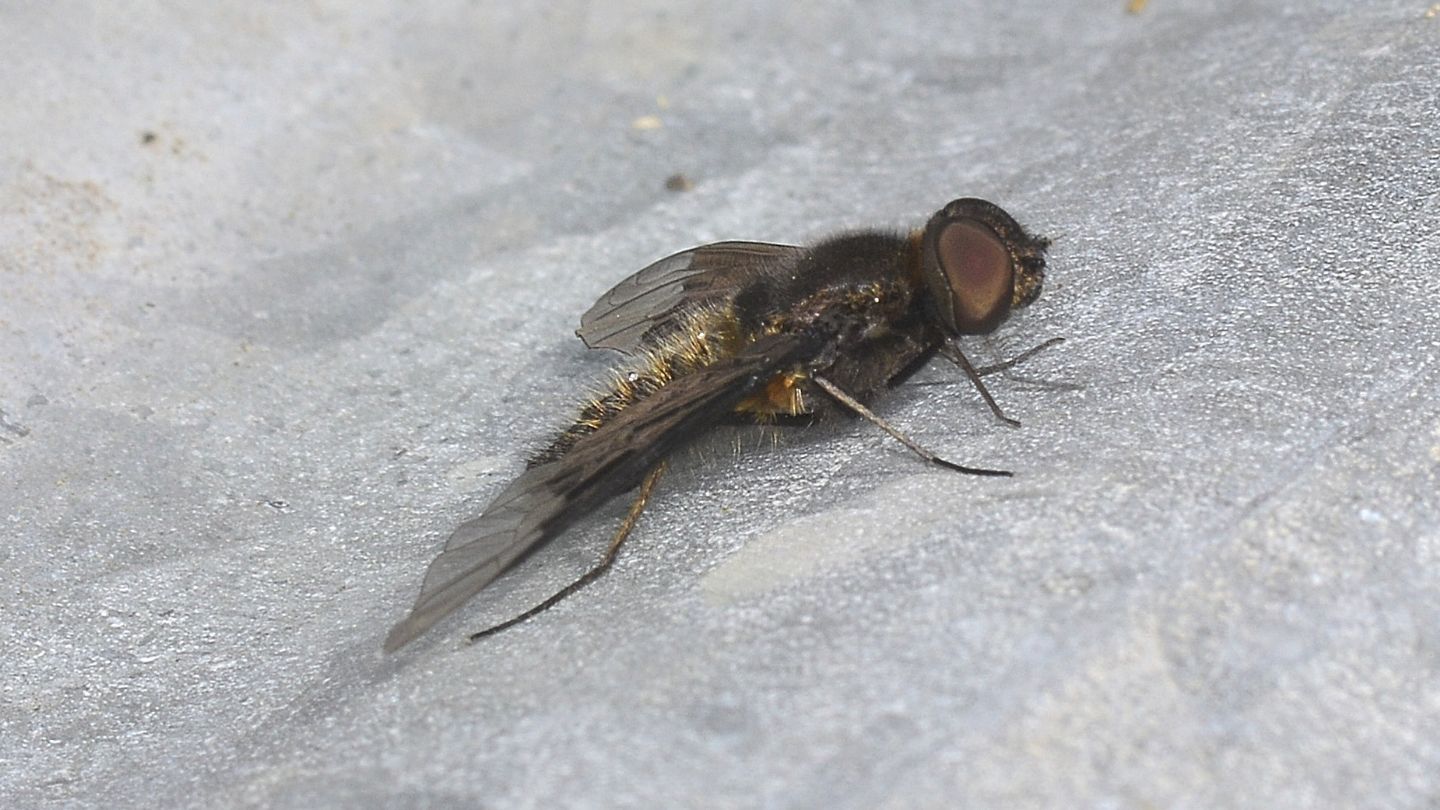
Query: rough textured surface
{"x": 286, "y": 292}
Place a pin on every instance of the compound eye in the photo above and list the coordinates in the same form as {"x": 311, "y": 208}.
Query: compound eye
{"x": 978, "y": 272}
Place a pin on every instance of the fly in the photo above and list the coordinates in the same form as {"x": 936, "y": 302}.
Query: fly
{"x": 746, "y": 330}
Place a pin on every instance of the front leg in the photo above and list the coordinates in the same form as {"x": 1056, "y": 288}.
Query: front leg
{"x": 951, "y": 350}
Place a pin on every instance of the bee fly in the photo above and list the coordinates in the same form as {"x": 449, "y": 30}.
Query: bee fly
{"x": 755, "y": 331}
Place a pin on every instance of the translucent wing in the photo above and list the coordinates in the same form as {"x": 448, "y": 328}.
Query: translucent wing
{"x": 547, "y": 499}
{"x": 646, "y": 306}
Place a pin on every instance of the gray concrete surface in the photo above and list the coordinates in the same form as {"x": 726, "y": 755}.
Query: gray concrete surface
{"x": 287, "y": 291}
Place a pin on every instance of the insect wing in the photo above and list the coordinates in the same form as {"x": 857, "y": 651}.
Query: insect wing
{"x": 650, "y": 304}
{"x": 547, "y": 499}
{"x": 478, "y": 551}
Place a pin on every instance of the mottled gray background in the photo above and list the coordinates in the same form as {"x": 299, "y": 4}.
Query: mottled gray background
{"x": 287, "y": 291}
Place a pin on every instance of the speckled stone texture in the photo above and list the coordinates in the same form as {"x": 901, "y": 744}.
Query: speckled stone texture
{"x": 287, "y": 291}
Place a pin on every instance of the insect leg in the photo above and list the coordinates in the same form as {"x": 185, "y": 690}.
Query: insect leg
{"x": 954, "y": 355}
{"x": 643, "y": 497}
{"x": 855, "y": 405}
{"x": 1019, "y": 358}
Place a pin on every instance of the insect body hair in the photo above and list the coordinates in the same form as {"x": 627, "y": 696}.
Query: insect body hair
{"x": 709, "y": 334}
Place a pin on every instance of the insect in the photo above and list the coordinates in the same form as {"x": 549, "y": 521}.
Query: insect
{"x": 754, "y": 331}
